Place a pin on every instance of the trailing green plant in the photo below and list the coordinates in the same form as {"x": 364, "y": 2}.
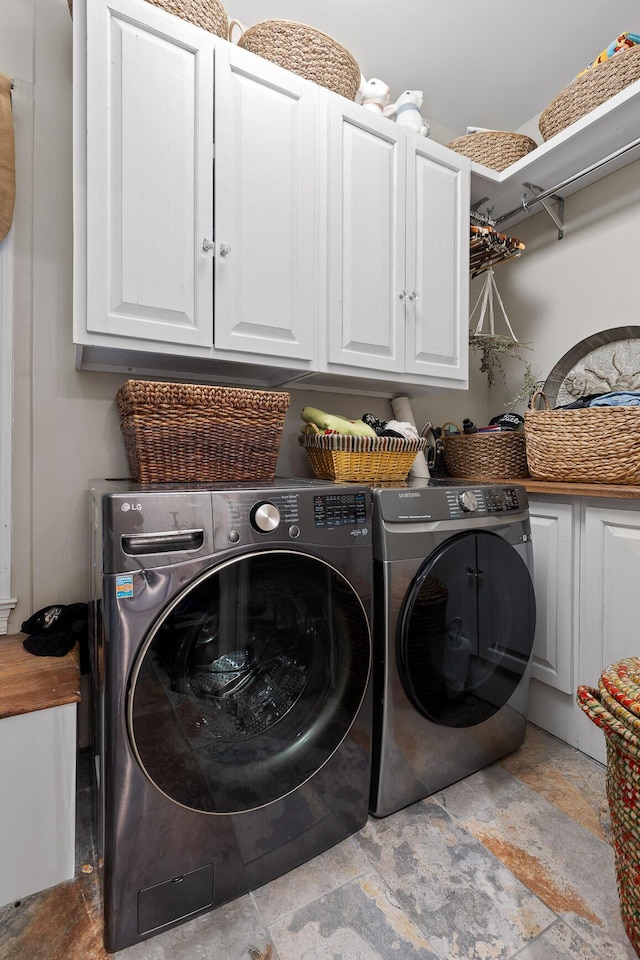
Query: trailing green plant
{"x": 492, "y": 349}
{"x": 529, "y": 386}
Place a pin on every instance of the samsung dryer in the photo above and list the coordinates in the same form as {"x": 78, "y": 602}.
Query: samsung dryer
{"x": 231, "y": 660}
{"x": 454, "y": 619}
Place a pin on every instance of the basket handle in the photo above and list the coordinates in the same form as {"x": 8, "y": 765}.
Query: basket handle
{"x": 450, "y": 423}
{"x": 311, "y": 428}
{"x": 534, "y": 400}
{"x": 235, "y": 23}
{"x": 590, "y": 702}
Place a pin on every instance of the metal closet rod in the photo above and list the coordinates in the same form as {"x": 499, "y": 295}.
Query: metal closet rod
{"x": 539, "y": 197}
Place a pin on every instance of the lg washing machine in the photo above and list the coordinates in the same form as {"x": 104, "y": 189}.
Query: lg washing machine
{"x": 454, "y": 619}
{"x": 231, "y": 660}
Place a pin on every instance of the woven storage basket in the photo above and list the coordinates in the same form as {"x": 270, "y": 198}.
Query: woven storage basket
{"x": 362, "y": 459}
{"x": 587, "y": 92}
{"x": 496, "y": 149}
{"x": 303, "y": 50}
{"x": 208, "y": 14}
{"x": 187, "y": 433}
{"x": 499, "y": 455}
{"x": 585, "y": 445}
{"x": 615, "y": 708}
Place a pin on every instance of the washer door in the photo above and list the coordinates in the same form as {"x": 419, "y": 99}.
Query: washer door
{"x": 466, "y": 630}
{"x": 249, "y": 681}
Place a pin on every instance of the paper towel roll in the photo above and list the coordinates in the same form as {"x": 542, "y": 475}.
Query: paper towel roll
{"x": 402, "y": 411}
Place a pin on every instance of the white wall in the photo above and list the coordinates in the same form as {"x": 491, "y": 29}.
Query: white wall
{"x": 66, "y": 427}
{"x": 561, "y": 291}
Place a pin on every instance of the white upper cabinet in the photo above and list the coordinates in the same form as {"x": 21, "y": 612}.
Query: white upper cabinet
{"x": 266, "y": 208}
{"x": 366, "y": 234}
{"x": 437, "y": 263}
{"x": 235, "y": 222}
{"x": 398, "y": 250}
{"x": 149, "y": 189}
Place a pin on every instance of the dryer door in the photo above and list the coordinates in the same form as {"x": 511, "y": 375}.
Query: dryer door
{"x": 466, "y": 630}
{"x": 249, "y": 681}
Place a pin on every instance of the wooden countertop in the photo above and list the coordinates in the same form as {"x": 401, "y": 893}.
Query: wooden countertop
{"x": 617, "y": 491}
{"x": 29, "y": 683}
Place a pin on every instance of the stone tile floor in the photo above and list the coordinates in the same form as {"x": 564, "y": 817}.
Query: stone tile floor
{"x": 513, "y": 862}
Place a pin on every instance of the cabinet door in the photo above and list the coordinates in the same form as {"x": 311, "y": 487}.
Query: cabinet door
{"x": 366, "y": 254}
{"x": 266, "y": 208}
{"x": 149, "y": 168}
{"x": 552, "y": 533}
{"x": 610, "y": 601}
{"x": 437, "y": 278}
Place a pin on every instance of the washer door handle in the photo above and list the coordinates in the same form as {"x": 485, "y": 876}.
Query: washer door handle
{"x": 170, "y": 541}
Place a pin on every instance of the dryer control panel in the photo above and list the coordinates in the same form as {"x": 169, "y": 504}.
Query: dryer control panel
{"x": 481, "y": 501}
{"x": 431, "y": 501}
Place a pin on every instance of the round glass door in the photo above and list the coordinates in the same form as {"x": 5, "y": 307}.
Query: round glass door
{"x": 466, "y": 630}
{"x": 249, "y": 682}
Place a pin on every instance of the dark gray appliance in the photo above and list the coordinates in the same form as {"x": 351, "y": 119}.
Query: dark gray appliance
{"x": 231, "y": 659}
{"x": 454, "y": 618}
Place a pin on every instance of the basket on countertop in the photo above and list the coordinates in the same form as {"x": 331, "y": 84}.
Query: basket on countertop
{"x": 334, "y": 456}
{"x": 583, "y": 445}
{"x": 208, "y": 14}
{"x": 496, "y": 455}
{"x": 615, "y": 707}
{"x": 496, "y": 149}
{"x": 304, "y": 50}
{"x": 585, "y": 93}
{"x": 188, "y": 433}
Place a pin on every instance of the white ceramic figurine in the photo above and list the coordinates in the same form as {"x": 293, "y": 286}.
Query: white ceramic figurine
{"x": 373, "y": 94}
{"x": 406, "y": 112}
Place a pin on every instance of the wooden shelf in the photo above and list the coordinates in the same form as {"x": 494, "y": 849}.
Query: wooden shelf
{"x": 603, "y": 131}
{"x": 29, "y": 683}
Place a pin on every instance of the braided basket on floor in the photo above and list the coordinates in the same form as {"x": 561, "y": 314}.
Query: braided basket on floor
{"x": 615, "y": 708}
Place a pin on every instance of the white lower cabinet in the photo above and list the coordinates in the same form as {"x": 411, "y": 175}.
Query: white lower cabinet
{"x": 586, "y": 558}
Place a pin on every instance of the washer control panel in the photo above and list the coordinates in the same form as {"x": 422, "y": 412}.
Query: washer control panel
{"x": 336, "y": 515}
{"x": 339, "y": 509}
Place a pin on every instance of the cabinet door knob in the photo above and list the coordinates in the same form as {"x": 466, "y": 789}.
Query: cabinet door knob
{"x": 207, "y": 245}
{"x": 413, "y": 295}
{"x": 225, "y": 249}
{"x": 403, "y": 295}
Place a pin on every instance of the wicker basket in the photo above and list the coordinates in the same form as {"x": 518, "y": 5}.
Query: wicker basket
{"x": 187, "y": 433}
{"x": 584, "y": 445}
{"x": 208, "y": 14}
{"x": 614, "y": 707}
{"x": 587, "y": 92}
{"x": 499, "y": 455}
{"x": 496, "y": 149}
{"x": 361, "y": 459}
{"x": 303, "y": 50}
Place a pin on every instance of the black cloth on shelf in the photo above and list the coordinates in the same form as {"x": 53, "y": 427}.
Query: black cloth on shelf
{"x": 54, "y": 630}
